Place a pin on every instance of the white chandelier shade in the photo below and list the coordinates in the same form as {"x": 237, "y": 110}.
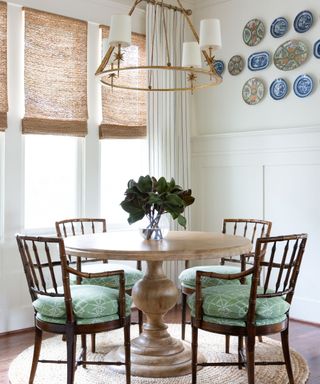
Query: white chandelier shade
{"x": 191, "y": 55}
{"x": 210, "y": 34}
{"x": 120, "y": 31}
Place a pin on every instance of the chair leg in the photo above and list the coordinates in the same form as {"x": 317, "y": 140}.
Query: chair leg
{"x": 36, "y": 353}
{"x": 140, "y": 320}
{"x": 260, "y": 339}
{"x": 127, "y": 351}
{"x": 250, "y": 345}
{"x": 84, "y": 349}
{"x": 194, "y": 351}
{"x": 71, "y": 355}
{"x": 240, "y": 352}
{"x": 286, "y": 354}
{"x": 227, "y": 337}
{"x": 183, "y": 315}
{"x": 93, "y": 343}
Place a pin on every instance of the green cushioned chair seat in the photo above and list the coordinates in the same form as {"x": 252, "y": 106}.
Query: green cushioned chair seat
{"x": 90, "y": 303}
{"x": 188, "y": 276}
{"x": 132, "y": 275}
{"x": 229, "y": 302}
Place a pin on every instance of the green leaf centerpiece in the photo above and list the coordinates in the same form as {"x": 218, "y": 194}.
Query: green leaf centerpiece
{"x": 152, "y": 198}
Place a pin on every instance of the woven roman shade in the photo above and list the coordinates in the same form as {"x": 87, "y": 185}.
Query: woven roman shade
{"x": 55, "y": 73}
{"x": 124, "y": 112}
{"x": 3, "y": 66}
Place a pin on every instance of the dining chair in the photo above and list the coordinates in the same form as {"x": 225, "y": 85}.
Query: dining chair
{"x": 250, "y": 228}
{"x": 71, "y": 310}
{"x": 81, "y": 226}
{"x": 251, "y": 310}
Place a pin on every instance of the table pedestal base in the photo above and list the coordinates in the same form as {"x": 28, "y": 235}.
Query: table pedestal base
{"x": 172, "y": 364}
{"x": 155, "y": 353}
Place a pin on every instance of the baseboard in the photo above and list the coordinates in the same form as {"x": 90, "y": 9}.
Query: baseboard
{"x": 16, "y": 332}
{"x": 305, "y": 310}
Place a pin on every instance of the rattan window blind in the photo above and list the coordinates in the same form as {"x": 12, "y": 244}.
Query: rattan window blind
{"x": 55, "y": 73}
{"x": 124, "y": 112}
{"x": 3, "y": 66}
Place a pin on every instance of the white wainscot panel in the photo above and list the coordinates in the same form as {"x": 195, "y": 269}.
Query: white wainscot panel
{"x": 292, "y": 203}
{"x": 229, "y": 192}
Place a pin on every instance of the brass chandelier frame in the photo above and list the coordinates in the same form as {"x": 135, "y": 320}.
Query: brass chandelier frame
{"x": 108, "y": 74}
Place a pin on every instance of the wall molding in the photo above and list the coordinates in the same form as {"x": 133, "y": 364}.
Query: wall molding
{"x": 265, "y": 141}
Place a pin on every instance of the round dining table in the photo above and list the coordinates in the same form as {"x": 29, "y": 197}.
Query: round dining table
{"x": 155, "y": 353}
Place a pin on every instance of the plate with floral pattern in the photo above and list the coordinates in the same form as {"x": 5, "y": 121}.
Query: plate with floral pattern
{"x": 253, "y": 91}
{"x": 235, "y": 65}
{"x": 219, "y": 67}
{"x": 279, "y": 27}
{"x": 303, "y": 21}
{"x": 290, "y": 55}
{"x": 278, "y": 89}
{"x": 253, "y": 32}
{"x": 303, "y": 85}
{"x": 316, "y": 49}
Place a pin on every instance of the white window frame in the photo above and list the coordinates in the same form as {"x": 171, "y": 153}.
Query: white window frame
{"x": 50, "y": 231}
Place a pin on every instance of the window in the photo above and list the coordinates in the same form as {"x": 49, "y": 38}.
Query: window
{"x": 121, "y": 160}
{"x": 52, "y": 179}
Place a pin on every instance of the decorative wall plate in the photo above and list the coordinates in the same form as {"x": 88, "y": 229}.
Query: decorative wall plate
{"x": 303, "y": 85}
{"x": 258, "y": 61}
{"x": 235, "y": 65}
{"x": 279, "y": 27}
{"x": 316, "y": 49}
{"x": 253, "y": 32}
{"x": 253, "y": 91}
{"x": 290, "y": 55}
{"x": 278, "y": 89}
{"x": 303, "y": 21}
{"x": 219, "y": 67}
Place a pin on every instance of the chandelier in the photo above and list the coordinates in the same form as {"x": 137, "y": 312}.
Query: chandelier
{"x": 203, "y": 47}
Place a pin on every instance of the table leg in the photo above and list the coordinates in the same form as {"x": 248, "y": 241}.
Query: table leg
{"x": 155, "y": 353}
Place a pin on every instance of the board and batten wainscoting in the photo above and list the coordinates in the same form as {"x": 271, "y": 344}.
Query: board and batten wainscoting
{"x": 272, "y": 175}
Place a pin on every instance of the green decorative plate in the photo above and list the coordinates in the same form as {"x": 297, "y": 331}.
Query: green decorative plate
{"x": 290, "y": 55}
{"x": 253, "y": 91}
{"x": 253, "y": 32}
{"x": 235, "y": 65}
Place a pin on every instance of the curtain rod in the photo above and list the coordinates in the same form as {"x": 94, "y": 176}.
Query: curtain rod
{"x": 160, "y": 3}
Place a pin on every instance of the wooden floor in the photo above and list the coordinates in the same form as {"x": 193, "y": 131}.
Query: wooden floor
{"x": 304, "y": 338}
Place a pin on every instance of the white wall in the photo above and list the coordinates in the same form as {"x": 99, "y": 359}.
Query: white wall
{"x": 261, "y": 161}
{"x": 233, "y": 114}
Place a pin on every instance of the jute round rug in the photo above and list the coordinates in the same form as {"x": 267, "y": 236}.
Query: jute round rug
{"x": 211, "y": 345}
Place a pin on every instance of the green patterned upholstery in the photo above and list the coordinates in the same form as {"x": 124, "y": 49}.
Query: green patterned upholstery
{"x": 229, "y": 305}
{"x": 132, "y": 275}
{"x": 91, "y": 304}
{"x": 188, "y": 276}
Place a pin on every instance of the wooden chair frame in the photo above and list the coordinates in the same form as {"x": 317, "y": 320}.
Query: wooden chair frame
{"x": 35, "y": 272}
{"x": 288, "y": 270}
{"x": 61, "y": 230}
{"x": 261, "y": 228}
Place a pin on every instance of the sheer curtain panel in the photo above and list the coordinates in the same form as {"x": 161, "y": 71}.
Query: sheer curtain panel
{"x": 55, "y": 73}
{"x": 168, "y": 118}
{"x": 124, "y": 112}
{"x": 3, "y": 66}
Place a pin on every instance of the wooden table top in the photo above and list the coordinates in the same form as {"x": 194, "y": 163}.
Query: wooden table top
{"x": 176, "y": 245}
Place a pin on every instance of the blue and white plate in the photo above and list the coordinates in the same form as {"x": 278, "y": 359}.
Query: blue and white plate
{"x": 303, "y": 85}
{"x": 303, "y": 21}
{"x": 279, "y": 27}
{"x": 278, "y": 89}
{"x": 219, "y": 67}
{"x": 258, "y": 61}
{"x": 316, "y": 49}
